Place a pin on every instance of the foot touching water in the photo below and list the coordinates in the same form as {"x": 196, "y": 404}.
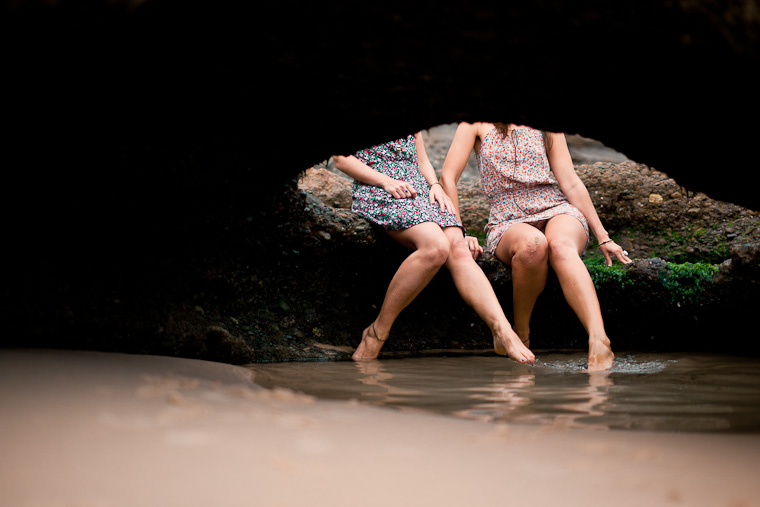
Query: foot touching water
{"x": 511, "y": 345}
{"x": 600, "y": 354}
{"x": 370, "y": 346}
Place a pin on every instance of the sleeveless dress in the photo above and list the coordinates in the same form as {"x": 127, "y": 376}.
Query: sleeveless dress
{"x": 397, "y": 159}
{"x": 516, "y": 176}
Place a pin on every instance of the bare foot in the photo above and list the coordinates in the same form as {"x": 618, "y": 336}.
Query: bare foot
{"x": 370, "y": 346}
{"x": 511, "y": 345}
{"x": 600, "y": 355}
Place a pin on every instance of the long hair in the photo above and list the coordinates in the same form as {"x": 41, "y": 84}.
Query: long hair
{"x": 503, "y": 129}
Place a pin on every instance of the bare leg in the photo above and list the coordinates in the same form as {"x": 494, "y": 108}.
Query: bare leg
{"x": 525, "y": 249}
{"x": 476, "y": 291}
{"x": 567, "y": 240}
{"x": 431, "y": 249}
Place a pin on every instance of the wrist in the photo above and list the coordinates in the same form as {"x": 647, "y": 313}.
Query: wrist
{"x": 435, "y": 183}
{"x": 386, "y": 181}
{"x": 608, "y": 240}
{"x": 602, "y": 236}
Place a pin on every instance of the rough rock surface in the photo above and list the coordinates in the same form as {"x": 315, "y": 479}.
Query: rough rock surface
{"x": 646, "y": 311}
{"x": 646, "y": 210}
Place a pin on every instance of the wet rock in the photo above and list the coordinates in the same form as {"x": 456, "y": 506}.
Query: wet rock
{"x": 222, "y": 346}
{"x": 743, "y": 264}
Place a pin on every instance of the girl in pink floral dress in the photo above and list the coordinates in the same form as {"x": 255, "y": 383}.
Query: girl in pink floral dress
{"x": 541, "y": 213}
{"x": 397, "y": 189}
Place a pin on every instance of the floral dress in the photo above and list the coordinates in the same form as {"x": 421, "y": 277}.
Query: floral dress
{"x": 516, "y": 177}
{"x": 397, "y": 159}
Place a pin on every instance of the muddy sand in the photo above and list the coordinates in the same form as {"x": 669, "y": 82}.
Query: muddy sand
{"x": 82, "y": 429}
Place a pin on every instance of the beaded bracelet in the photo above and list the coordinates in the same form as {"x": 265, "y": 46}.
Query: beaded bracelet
{"x": 436, "y": 183}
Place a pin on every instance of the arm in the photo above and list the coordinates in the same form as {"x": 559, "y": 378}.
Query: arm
{"x": 361, "y": 172}
{"x": 426, "y": 167}
{"x": 576, "y": 192}
{"x": 437, "y": 194}
{"x": 456, "y": 160}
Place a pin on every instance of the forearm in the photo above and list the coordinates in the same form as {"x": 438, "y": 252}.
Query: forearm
{"x": 456, "y": 160}
{"x": 354, "y": 168}
{"x": 572, "y": 186}
{"x": 428, "y": 172}
{"x": 450, "y": 187}
{"x": 579, "y": 197}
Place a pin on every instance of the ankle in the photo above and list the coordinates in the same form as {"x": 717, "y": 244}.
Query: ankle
{"x": 502, "y": 329}
{"x": 598, "y": 338}
{"x": 377, "y": 330}
{"x": 522, "y": 331}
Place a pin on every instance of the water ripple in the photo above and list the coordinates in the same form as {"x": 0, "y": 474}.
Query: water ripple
{"x": 662, "y": 392}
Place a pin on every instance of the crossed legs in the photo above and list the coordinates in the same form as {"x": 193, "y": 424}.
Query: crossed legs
{"x": 476, "y": 290}
{"x": 529, "y": 252}
{"x": 432, "y": 248}
{"x": 430, "y": 251}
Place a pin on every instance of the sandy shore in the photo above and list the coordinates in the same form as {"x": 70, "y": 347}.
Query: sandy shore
{"x": 80, "y": 429}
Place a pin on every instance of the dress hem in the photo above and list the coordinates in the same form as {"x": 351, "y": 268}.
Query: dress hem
{"x": 583, "y": 222}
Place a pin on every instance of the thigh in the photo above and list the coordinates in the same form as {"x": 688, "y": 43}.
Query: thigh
{"x": 516, "y": 235}
{"x": 420, "y": 235}
{"x": 454, "y": 235}
{"x": 567, "y": 229}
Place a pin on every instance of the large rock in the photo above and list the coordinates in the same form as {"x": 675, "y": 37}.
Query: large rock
{"x": 651, "y": 304}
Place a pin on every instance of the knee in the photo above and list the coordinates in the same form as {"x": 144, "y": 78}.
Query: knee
{"x": 561, "y": 249}
{"x": 436, "y": 252}
{"x": 459, "y": 252}
{"x": 533, "y": 251}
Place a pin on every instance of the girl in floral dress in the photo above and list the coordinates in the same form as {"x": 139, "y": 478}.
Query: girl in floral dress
{"x": 395, "y": 187}
{"x": 536, "y": 221}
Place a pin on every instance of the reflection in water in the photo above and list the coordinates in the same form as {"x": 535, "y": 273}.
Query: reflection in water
{"x": 505, "y": 394}
{"x": 380, "y": 391}
{"x": 663, "y": 392}
{"x": 508, "y": 398}
{"x": 590, "y": 403}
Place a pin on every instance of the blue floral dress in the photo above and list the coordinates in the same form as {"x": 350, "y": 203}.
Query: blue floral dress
{"x": 397, "y": 159}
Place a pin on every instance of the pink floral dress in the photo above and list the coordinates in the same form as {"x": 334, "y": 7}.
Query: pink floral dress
{"x": 397, "y": 159}
{"x": 516, "y": 177}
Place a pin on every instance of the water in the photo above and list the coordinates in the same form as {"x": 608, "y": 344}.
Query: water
{"x": 659, "y": 392}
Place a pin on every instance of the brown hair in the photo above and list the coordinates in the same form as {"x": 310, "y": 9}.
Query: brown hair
{"x": 503, "y": 129}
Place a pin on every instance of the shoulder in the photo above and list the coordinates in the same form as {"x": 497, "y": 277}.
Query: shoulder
{"x": 557, "y": 139}
{"x": 479, "y": 129}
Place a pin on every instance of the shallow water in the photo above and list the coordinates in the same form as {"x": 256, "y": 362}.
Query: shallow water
{"x": 660, "y": 392}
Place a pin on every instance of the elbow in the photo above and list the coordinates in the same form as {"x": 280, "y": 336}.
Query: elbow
{"x": 573, "y": 186}
{"x": 448, "y": 179}
{"x": 569, "y": 190}
{"x": 339, "y": 161}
